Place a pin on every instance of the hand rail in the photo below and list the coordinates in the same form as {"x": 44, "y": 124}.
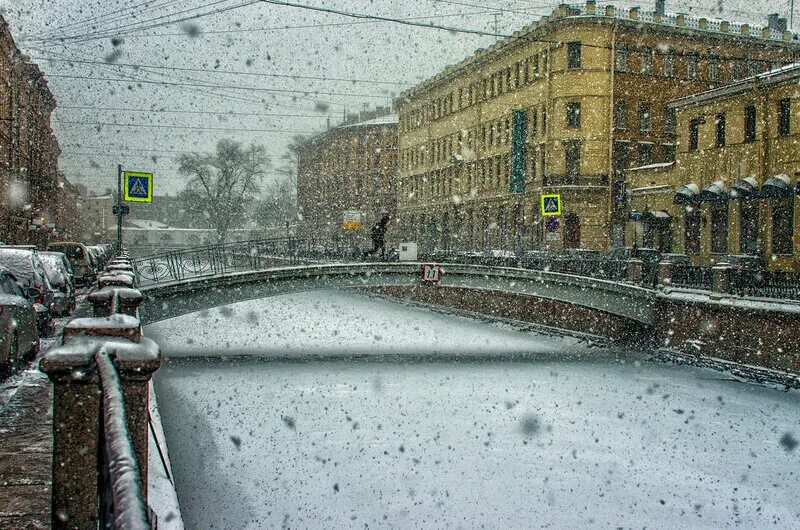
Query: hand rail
{"x": 127, "y": 508}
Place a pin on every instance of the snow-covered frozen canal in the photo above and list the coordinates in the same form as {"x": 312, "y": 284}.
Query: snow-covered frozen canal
{"x": 570, "y": 435}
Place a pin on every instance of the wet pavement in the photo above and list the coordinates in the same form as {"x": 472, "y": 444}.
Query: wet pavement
{"x": 26, "y": 441}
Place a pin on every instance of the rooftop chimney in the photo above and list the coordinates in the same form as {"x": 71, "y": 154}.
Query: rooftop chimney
{"x": 660, "y": 7}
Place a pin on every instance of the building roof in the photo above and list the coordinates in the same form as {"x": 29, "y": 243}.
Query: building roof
{"x": 580, "y": 12}
{"x": 389, "y": 119}
{"x": 779, "y": 76}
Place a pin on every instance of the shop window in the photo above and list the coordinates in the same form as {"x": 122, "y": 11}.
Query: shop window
{"x": 691, "y": 231}
{"x": 748, "y": 226}
{"x": 719, "y": 227}
{"x": 782, "y": 225}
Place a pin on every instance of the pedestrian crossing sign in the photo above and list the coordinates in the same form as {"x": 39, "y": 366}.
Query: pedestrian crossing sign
{"x": 138, "y": 186}
{"x": 551, "y": 204}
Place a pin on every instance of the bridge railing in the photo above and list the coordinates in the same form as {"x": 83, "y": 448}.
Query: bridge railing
{"x": 213, "y": 260}
{"x": 101, "y": 374}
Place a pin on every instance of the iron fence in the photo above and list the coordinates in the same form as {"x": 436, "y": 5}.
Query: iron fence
{"x": 691, "y": 277}
{"x": 220, "y": 259}
{"x": 766, "y": 284}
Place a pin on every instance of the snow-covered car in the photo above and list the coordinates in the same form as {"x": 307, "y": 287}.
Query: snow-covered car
{"x": 19, "y": 337}
{"x": 79, "y": 258}
{"x": 26, "y": 266}
{"x": 55, "y": 266}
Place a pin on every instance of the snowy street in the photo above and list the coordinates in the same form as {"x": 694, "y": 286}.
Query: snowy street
{"x": 570, "y": 436}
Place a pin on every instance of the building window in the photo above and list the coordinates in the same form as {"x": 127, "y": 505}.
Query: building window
{"x": 533, "y": 157}
{"x": 645, "y": 118}
{"x": 784, "y": 116}
{"x": 573, "y": 114}
{"x": 669, "y": 120}
{"x": 535, "y": 63}
{"x": 542, "y": 159}
{"x": 719, "y": 227}
{"x": 782, "y": 225}
{"x": 621, "y": 115}
{"x": 574, "y": 54}
{"x": 694, "y": 134}
{"x": 621, "y": 59}
{"x": 737, "y": 70}
{"x": 669, "y": 65}
{"x": 646, "y": 61}
{"x": 668, "y": 152}
{"x": 691, "y": 231}
{"x": 750, "y": 123}
{"x": 691, "y": 67}
{"x": 645, "y": 153}
{"x": 713, "y": 69}
{"x": 720, "y": 122}
{"x": 748, "y": 226}
{"x": 534, "y": 123}
{"x": 572, "y": 152}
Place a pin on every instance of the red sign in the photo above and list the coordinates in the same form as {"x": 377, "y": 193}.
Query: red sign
{"x": 431, "y": 272}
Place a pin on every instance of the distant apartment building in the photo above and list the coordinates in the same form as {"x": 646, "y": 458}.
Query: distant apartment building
{"x": 349, "y": 168}
{"x": 29, "y": 181}
{"x": 733, "y": 186}
{"x": 562, "y": 106}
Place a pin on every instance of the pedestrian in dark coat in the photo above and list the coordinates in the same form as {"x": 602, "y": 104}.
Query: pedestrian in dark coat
{"x": 378, "y": 235}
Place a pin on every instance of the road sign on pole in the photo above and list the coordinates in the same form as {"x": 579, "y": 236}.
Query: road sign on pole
{"x": 352, "y": 220}
{"x": 138, "y": 186}
{"x": 551, "y": 204}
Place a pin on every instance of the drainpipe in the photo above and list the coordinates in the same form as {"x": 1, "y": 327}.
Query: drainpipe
{"x": 611, "y": 175}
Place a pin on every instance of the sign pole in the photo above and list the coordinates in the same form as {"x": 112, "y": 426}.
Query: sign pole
{"x": 119, "y": 208}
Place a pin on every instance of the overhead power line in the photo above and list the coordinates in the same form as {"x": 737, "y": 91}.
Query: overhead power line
{"x": 187, "y": 127}
{"x": 169, "y": 111}
{"x": 125, "y": 30}
{"x": 231, "y": 87}
{"x": 218, "y": 71}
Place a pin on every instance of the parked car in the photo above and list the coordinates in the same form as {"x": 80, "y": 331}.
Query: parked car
{"x": 26, "y": 266}
{"x": 19, "y": 338}
{"x": 744, "y": 262}
{"x": 60, "y": 278}
{"x": 79, "y": 258}
{"x": 677, "y": 259}
{"x": 647, "y": 255}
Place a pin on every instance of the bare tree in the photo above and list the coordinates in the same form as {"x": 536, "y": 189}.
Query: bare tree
{"x": 222, "y": 184}
{"x": 290, "y": 160}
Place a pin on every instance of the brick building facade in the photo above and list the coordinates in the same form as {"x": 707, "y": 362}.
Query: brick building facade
{"x": 30, "y": 186}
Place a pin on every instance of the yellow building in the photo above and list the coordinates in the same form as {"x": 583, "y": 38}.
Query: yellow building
{"x": 586, "y": 92}
{"x": 347, "y": 171}
{"x": 732, "y": 188}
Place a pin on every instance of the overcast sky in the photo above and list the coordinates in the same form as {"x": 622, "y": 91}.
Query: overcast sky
{"x": 244, "y": 47}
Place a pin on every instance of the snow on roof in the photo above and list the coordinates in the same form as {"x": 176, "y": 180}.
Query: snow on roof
{"x": 381, "y": 120}
{"x": 652, "y": 166}
{"x": 147, "y": 224}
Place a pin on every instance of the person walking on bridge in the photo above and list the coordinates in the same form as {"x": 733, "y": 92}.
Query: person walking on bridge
{"x": 378, "y": 235}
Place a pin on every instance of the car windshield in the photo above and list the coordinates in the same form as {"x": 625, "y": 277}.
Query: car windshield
{"x": 400, "y": 264}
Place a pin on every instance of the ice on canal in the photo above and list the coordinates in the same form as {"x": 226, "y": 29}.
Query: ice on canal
{"x": 571, "y": 436}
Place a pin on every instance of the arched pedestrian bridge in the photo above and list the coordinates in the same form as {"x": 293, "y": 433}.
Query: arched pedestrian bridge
{"x": 167, "y": 300}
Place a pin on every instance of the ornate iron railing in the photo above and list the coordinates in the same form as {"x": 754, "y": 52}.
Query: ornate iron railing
{"x": 766, "y": 284}
{"x": 213, "y": 260}
{"x": 691, "y": 277}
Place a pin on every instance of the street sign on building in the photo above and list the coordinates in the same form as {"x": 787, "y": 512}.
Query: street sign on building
{"x": 138, "y": 186}
{"x": 352, "y": 220}
{"x": 551, "y": 204}
{"x": 431, "y": 272}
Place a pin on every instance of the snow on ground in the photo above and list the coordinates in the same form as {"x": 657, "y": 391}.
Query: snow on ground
{"x": 535, "y": 443}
